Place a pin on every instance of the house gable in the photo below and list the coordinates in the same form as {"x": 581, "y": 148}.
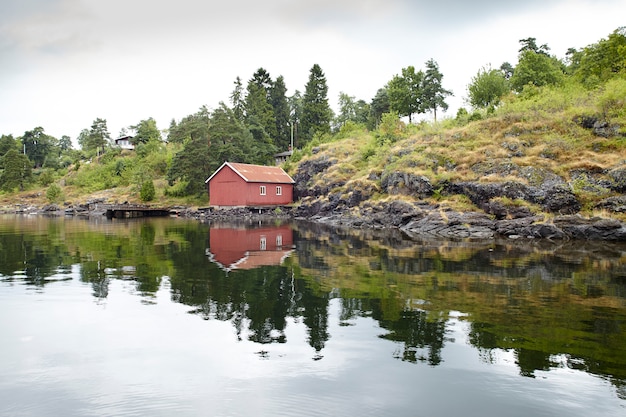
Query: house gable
{"x": 235, "y": 185}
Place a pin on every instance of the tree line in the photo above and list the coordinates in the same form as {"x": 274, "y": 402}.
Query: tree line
{"x": 260, "y": 119}
{"x": 590, "y": 66}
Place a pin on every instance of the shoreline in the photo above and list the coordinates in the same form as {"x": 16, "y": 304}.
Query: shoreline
{"x": 416, "y": 220}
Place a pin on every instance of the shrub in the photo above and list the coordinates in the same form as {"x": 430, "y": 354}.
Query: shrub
{"x": 613, "y": 99}
{"x": 54, "y": 193}
{"x": 391, "y": 129}
{"x": 179, "y": 189}
{"x": 147, "y": 192}
{"x": 46, "y": 177}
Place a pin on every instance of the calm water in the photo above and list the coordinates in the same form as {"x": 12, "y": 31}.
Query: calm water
{"x": 166, "y": 317}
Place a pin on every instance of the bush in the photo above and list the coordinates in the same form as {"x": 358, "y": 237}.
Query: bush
{"x": 46, "y": 177}
{"x": 612, "y": 101}
{"x": 391, "y": 129}
{"x": 179, "y": 189}
{"x": 147, "y": 192}
{"x": 54, "y": 193}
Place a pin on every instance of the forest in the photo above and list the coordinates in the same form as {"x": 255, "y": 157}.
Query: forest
{"x": 258, "y": 120}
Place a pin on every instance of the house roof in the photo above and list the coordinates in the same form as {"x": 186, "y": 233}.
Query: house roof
{"x": 257, "y": 173}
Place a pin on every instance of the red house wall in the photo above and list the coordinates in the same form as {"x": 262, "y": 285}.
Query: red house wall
{"x": 227, "y": 188}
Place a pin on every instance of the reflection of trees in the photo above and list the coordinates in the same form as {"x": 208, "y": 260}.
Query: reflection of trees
{"x": 590, "y": 340}
{"x": 549, "y": 304}
{"x": 37, "y": 255}
{"x": 541, "y": 300}
{"x": 256, "y": 301}
{"x": 417, "y": 331}
{"x": 94, "y": 273}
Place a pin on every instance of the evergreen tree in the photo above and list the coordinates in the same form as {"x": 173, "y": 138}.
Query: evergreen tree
{"x": 278, "y": 99}
{"x": 259, "y": 112}
{"x": 530, "y": 44}
{"x": 507, "y": 69}
{"x": 379, "y": 106}
{"x": 295, "y": 116}
{"x": 316, "y": 113}
{"x": 192, "y": 166}
{"x": 237, "y": 99}
{"x": 231, "y": 141}
{"x": 7, "y": 142}
{"x": 96, "y": 138}
{"x": 146, "y": 131}
{"x": 17, "y": 171}
{"x": 433, "y": 93}
{"x": 194, "y": 126}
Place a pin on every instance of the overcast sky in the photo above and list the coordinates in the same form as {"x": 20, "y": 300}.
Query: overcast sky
{"x": 64, "y": 63}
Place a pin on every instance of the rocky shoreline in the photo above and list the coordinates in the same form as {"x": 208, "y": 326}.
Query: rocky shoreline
{"x": 416, "y": 219}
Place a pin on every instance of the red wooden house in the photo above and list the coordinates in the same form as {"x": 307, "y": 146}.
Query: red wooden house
{"x": 245, "y": 185}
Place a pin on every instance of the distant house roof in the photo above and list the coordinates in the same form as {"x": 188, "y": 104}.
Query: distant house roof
{"x": 125, "y": 142}
{"x": 257, "y": 173}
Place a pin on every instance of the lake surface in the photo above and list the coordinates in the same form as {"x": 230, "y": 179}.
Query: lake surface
{"x": 161, "y": 317}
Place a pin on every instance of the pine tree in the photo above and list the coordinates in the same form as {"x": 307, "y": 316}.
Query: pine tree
{"x": 433, "y": 93}
{"x": 259, "y": 115}
{"x": 316, "y": 113}
{"x": 280, "y": 105}
{"x": 237, "y": 99}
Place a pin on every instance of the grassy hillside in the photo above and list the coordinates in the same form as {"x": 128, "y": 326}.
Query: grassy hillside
{"x": 568, "y": 135}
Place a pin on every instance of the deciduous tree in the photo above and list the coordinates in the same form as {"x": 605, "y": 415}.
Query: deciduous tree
{"x": 487, "y": 87}
{"x": 405, "y": 92}
{"x": 602, "y": 60}
{"x": 17, "y": 171}
{"x": 38, "y": 146}
{"x": 536, "y": 67}
{"x": 347, "y": 109}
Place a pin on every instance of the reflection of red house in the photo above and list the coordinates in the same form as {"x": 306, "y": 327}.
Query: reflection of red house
{"x": 232, "y": 248}
{"x": 238, "y": 185}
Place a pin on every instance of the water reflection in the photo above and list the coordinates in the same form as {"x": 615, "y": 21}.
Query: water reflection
{"x": 551, "y": 305}
{"x": 249, "y": 247}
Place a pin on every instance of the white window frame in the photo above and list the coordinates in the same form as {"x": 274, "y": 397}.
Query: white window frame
{"x": 263, "y": 243}
{"x": 263, "y": 190}
{"x": 279, "y": 190}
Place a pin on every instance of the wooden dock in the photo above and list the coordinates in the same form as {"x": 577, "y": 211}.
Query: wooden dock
{"x": 131, "y": 211}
